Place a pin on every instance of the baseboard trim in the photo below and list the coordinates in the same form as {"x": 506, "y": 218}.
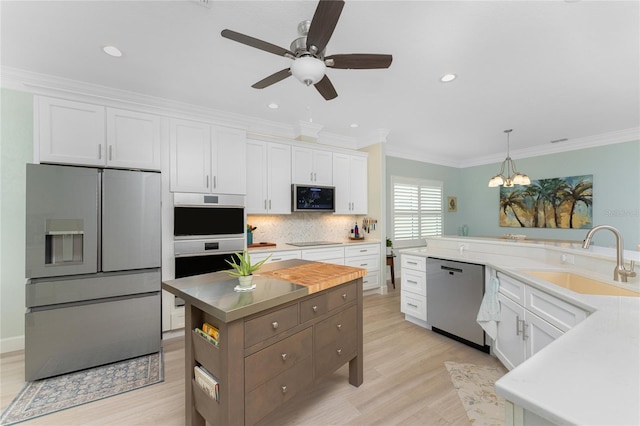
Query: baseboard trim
{"x": 11, "y": 344}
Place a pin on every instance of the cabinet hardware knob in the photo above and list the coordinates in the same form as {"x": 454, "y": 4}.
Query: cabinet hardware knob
{"x": 339, "y": 326}
{"x": 99, "y": 151}
{"x": 517, "y": 325}
{"x": 315, "y": 308}
{"x": 339, "y": 351}
{"x": 284, "y": 357}
{"x": 284, "y": 389}
{"x": 275, "y": 324}
{"x": 344, "y": 296}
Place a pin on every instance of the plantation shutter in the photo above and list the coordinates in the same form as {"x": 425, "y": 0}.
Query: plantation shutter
{"x": 417, "y": 210}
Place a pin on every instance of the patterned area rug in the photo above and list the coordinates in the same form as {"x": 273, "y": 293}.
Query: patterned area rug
{"x": 47, "y": 396}
{"x": 475, "y": 386}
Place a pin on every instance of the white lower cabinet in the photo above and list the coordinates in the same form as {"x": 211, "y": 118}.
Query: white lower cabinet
{"x": 333, "y": 255}
{"x": 276, "y": 256}
{"x": 365, "y": 256}
{"x": 525, "y": 329}
{"x": 413, "y": 289}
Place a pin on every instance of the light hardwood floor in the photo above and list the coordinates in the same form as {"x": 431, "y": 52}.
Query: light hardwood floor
{"x": 405, "y": 383}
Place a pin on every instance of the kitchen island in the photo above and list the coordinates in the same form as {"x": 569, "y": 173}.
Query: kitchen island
{"x": 301, "y": 322}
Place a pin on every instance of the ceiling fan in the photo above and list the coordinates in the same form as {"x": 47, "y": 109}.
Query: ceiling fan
{"x": 309, "y": 60}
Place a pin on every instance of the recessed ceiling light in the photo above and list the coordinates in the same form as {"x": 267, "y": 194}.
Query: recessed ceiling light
{"x": 274, "y": 105}
{"x": 448, "y": 77}
{"x": 112, "y": 51}
{"x": 354, "y": 125}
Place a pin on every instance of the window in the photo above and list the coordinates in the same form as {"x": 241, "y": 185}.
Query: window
{"x": 417, "y": 210}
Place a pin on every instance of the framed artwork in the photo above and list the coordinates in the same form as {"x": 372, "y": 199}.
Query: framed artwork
{"x": 549, "y": 203}
{"x": 452, "y": 204}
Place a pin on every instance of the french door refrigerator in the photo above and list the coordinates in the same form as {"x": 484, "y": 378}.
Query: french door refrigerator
{"x": 93, "y": 267}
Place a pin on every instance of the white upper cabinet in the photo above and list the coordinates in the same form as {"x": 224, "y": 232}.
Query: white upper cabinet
{"x": 268, "y": 178}
{"x": 311, "y": 166}
{"x": 133, "y": 139}
{"x": 350, "y": 178}
{"x": 71, "y": 132}
{"x": 206, "y": 159}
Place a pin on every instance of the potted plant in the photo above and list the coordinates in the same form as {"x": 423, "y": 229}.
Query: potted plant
{"x": 389, "y": 247}
{"x": 243, "y": 269}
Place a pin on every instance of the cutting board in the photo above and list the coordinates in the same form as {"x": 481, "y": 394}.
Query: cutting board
{"x": 257, "y": 245}
{"x": 317, "y": 276}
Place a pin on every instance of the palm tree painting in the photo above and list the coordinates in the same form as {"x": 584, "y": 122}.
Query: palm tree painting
{"x": 548, "y": 203}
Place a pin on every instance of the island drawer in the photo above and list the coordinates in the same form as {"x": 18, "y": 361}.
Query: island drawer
{"x": 208, "y": 407}
{"x": 341, "y": 296}
{"x": 314, "y": 308}
{"x": 263, "y": 327}
{"x": 206, "y": 354}
{"x": 334, "y": 327}
{"x": 271, "y": 394}
{"x": 277, "y": 358}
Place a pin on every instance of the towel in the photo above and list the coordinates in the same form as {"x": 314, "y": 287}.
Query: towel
{"x": 489, "y": 313}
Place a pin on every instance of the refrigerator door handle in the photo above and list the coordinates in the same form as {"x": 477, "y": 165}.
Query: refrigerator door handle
{"x": 99, "y": 234}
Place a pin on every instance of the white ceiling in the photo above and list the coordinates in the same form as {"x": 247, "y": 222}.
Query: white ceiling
{"x": 548, "y": 69}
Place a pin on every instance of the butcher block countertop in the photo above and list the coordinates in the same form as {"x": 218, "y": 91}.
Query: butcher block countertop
{"x": 276, "y": 283}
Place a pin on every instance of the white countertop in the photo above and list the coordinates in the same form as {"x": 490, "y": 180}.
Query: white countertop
{"x": 591, "y": 374}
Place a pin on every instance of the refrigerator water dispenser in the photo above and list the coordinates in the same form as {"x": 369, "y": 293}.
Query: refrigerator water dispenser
{"x": 64, "y": 241}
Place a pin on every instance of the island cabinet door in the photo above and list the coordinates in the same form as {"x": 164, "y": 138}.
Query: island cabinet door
{"x": 335, "y": 341}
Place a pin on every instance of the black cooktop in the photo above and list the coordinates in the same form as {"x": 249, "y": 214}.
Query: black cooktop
{"x": 312, "y": 243}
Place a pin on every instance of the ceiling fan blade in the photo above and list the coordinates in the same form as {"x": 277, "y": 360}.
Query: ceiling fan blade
{"x": 258, "y": 44}
{"x": 326, "y": 89}
{"x": 273, "y": 78}
{"x": 360, "y": 61}
{"x": 323, "y": 23}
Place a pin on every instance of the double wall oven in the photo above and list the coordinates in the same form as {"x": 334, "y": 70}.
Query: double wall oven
{"x": 207, "y": 230}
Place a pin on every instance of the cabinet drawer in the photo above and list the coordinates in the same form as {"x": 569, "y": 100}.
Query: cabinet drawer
{"x": 275, "y": 256}
{"x": 341, "y": 296}
{"x": 362, "y": 250}
{"x": 273, "y": 393}
{"x": 371, "y": 280}
{"x": 414, "y": 281}
{"x": 323, "y": 254}
{"x": 557, "y": 312}
{"x": 258, "y": 329}
{"x": 418, "y": 263}
{"x": 413, "y": 305}
{"x": 313, "y": 308}
{"x": 367, "y": 262}
{"x": 511, "y": 288}
{"x": 335, "y": 341}
{"x": 277, "y": 358}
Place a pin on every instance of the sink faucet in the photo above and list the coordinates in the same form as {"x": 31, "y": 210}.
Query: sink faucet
{"x": 619, "y": 273}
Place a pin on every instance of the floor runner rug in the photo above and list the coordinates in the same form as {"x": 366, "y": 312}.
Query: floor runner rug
{"x": 47, "y": 396}
{"x": 475, "y": 387}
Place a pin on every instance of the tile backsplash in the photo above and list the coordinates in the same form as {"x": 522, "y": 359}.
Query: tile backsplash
{"x": 302, "y": 226}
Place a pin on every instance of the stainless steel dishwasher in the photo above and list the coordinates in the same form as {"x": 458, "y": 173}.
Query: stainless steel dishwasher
{"x": 454, "y": 294}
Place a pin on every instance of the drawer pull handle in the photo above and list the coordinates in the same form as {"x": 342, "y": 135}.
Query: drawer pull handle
{"x": 412, "y": 263}
{"x": 339, "y": 326}
{"x": 412, "y": 305}
{"x": 284, "y": 357}
{"x": 344, "y": 296}
{"x": 284, "y": 389}
{"x": 517, "y": 325}
{"x": 275, "y": 324}
{"x": 363, "y": 251}
{"x": 339, "y": 351}
{"x": 276, "y": 259}
{"x": 363, "y": 264}
{"x": 315, "y": 308}
{"x": 525, "y": 336}
{"x": 413, "y": 282}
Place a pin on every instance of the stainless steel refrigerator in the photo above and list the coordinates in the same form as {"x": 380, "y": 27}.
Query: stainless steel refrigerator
{"x": 93, "y": 267}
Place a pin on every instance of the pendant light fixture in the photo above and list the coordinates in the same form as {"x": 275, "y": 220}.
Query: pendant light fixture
{"x": 513, "y": 177}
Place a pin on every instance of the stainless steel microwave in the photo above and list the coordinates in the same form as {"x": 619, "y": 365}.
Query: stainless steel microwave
{"x": 307, "y": 198}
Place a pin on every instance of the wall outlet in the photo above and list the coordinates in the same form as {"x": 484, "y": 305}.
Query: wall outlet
{"x": 568, "y": 258}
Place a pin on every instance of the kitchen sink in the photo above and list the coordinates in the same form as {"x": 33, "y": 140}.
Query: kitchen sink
{"x": 581, "y": 284}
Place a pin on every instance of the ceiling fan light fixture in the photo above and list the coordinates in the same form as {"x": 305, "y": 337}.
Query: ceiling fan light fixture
{"x": 308, "y": 70}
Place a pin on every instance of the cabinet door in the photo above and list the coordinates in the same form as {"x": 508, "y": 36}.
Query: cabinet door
{"x": 228, "y": 161}
{"x": 537, "y": 334}
{"x": 71, "y": 132}
{"x": 358, "y": 185}
{"x": 256, "y": 200}
{"x": 190, "y": 156}
{"x": 279, "y": 178}
{"x": 302, "y": 165}
{"x": 322, "y": 167}
{"x": 509, "y": 345}
{"x": 133, "y": 139}
{"x": 342, "y": 178}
